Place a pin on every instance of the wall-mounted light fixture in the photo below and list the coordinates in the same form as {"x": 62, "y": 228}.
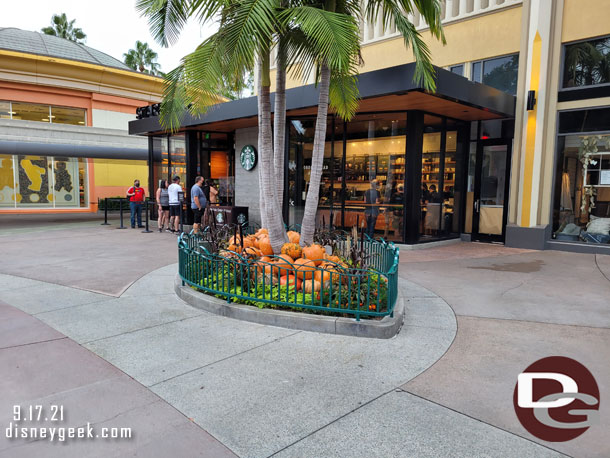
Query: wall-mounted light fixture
{"x": 531, "y": 100}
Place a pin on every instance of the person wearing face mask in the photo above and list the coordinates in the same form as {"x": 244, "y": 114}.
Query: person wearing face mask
{"x": 136, "y": 196}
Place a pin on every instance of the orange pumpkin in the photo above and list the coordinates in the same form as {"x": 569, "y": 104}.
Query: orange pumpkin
{"x": 234, "y": 248}
{"x": 293, "y": 250}
{"x": 265, "y": 246}
{"x": 311, "y": 286}
{"x": 252, "y": 251}
{"x": 322, "y": 276}
{"x": 336, "y": 259}
{"x": 314, "y": 252}
{"x": 291, "y": 280}
{"x": 293, "y": 236}
{"x": 262, "y": 263}
{"x": 305, "y": 268}
{"x": 284, "y": 264}
{"x": 261, "y": 231}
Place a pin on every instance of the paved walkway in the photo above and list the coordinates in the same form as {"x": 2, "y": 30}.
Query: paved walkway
{"x": 261, "y": 391}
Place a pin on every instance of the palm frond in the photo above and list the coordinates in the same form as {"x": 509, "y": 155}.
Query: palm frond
{"x": 344, "y": 95}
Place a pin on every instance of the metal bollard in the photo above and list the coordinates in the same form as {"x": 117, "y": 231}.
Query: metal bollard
{"x": 121, "y": 211}
{"x": 105, "y": 223}
{"x": 146, "y": 208}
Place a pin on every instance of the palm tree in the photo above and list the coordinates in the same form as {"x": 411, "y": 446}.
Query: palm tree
{"x": 391, "y": 12}
{"x": 309, "y": 35}
{"x": 62, "y": 28}
{"x": 142, "y": 59}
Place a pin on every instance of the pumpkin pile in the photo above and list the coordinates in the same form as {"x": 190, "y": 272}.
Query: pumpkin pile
{"x": 304, "y": 268}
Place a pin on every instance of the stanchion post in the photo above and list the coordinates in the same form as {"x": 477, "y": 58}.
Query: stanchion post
{"x": 105, "y": 223}
{"x": 146, "y": 208}
{"x": 181, "y": 218}
{"x": 121, "y": 212}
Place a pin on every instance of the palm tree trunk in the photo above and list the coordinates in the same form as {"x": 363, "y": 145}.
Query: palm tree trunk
{"x": 279, "y": 123}
{"x": 275, "y": 224}
{"x": 261, "y": 191}
{"x": 308, "y": 225}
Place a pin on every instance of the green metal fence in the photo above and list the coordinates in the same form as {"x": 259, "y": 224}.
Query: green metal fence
{"x": 359, "y": 293}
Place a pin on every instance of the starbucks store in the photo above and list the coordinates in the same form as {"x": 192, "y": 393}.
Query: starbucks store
{"x": 439, "y": 162}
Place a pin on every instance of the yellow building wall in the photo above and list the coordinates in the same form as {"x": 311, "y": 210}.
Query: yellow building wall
{"x": 113, "y": 177}
{"x": 481, "y": 37}
{"x": 585, "y": 19}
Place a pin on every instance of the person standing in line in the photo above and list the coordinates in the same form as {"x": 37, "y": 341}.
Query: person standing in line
{"x": 371, "y": 211}
{"x": 210, "y": 194}
{"x": 198, "y": 203}
{"x": 163, "y": 203}
{"x": 174, "y": 204}
{"x": 136, "y": 196}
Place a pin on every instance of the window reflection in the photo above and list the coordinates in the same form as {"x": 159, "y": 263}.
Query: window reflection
{"x": 587, "y": 63}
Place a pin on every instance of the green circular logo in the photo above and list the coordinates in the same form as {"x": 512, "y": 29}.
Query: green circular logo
{"x": 248, "y": 157}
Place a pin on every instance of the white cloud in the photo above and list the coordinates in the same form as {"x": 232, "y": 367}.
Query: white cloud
{"x": 112, "y": 26}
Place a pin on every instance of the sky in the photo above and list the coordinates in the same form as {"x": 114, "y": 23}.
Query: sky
{"x": 112, "y": 26}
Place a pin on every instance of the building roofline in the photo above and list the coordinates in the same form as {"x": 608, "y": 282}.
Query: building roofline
{"x": 79, "y": 63}
{"x": 377, "y": 83}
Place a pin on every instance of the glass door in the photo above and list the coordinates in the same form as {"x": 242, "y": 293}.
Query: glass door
{"x": 490, "y": 203}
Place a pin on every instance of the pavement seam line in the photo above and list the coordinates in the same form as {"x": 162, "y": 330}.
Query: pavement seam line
{"x": 484, "y": 422}
{"x": 70, "y": 306}
{"x": 59, "y": 284}
{"x": 599, "y": 268}
{"x": 141, "y": 329}
{"x": 277, "y": 339}
{"x": 33, "y": 343}
{"x": 533, "y": 322}
{"x": 333, "y": 421}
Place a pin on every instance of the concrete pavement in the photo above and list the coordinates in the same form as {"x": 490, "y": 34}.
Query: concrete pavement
{"x": 442, "y": 387}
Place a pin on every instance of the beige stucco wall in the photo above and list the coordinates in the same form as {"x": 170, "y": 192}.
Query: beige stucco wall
{"x": 481, "y": 37}
{"x": 585, "y": 19}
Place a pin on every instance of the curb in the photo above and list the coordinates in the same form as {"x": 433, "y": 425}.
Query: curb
{"x": 385, "y": 328}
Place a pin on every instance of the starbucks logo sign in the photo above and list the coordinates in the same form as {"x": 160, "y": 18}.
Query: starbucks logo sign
{"x": 220, "y": 217}
{"x": 247, "y": 157}
{"x": 241, "y": 218}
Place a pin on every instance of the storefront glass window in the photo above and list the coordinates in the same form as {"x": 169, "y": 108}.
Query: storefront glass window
{"x": 582, "y": 189}
{"x": 431, "y": 194}
{"x": 216, "y": 164}
{"x": 299, "y": 172}
{"x": 7, "y": 181}
{"x": 177, "y": 157}
{"x": 31, "y": 112}
{"x": 586, "y": 63}
{"x": 375, "y": 174}
{"x": 64, "y": 115}
{"x": 66, "y": 182}
{"x": 5, "y": 110}
{"x": 39, "y": 181}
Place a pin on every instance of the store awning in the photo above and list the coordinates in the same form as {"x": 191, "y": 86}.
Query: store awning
{"x": 389, "y": 89}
